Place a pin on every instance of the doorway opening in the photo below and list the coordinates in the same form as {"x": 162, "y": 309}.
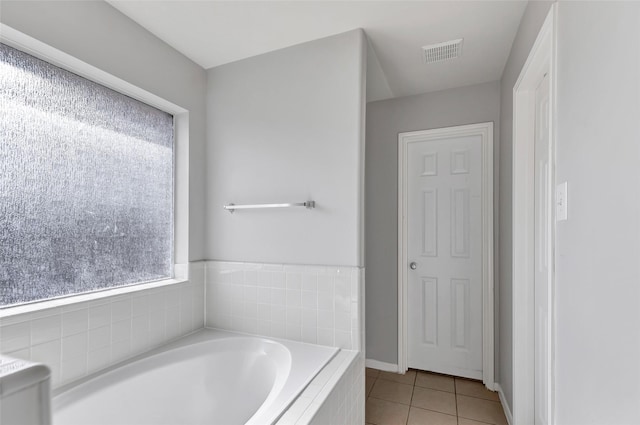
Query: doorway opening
{"x": 533, "y": 226}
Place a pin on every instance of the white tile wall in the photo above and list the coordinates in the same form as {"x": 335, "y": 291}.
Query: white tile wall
{"x": 84, "y": 337}
{"x": 335, "y": 396}
{"x": 314, "y": 304}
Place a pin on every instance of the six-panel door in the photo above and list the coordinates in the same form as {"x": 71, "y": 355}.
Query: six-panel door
{"x": 444, "y": 221}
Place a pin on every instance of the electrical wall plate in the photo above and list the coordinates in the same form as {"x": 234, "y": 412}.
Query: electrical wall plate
{"x": 561, "y": 202}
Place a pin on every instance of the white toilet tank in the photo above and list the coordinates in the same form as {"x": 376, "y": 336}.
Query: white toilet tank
{"x": 24, "y": 393}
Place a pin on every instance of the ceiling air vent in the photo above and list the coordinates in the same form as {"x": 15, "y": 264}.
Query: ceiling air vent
{"x": 442, "y": 51}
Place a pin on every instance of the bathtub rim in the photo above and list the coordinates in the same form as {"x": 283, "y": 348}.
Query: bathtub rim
{"x": 206, "y": 334}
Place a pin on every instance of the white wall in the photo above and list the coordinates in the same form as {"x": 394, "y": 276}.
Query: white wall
{"x": 98, "y": 34}
{"x": 287, "y": 126}
{"x": 530, "y": 24}
{"x": 385, "y": 119}
{"x": 598, "y": 154}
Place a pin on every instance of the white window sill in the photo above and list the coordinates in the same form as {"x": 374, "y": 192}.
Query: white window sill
{"x": 91, "y": 296}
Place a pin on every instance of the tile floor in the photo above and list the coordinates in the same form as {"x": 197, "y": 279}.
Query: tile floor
{"x": 423, "y": 398}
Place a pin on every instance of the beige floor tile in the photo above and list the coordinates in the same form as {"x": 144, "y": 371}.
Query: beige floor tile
{"x": 465, "y": 421}
{"x": 373, "y": 373}
{"x": 381, "y": 412}
{"x": 428, "y": 417}
{"x": 408, "y": 378}
{"x": 435, "y": 382}
{"x": 440, "y": 401}
{"x": 392, "y": 391}
{"x": 481, "y": 410}
{"x": 368, "y": 384}
{"x": 475, "y": 389}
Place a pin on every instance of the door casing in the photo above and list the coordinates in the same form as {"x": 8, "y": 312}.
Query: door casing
{"x": 485, "y": 131}
{"x": 541, "y": 60}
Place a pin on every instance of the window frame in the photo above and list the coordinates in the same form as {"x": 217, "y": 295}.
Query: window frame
{"x": 27, "y": 44}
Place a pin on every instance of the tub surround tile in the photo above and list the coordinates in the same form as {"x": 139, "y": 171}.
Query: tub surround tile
{"x": 24, "y": 354}
{"x": 100, "y": 315}
{"x": 309, "y": 300}
{"x": 310, "y": 335}
{"x": 75, "y": 321}
{"x": 309, "y": 282}
{"x": 85, "y": 337}
{"x": 99, "y": 338}
{"x": 294, "y": 332}
{"x": 99, "y": 358}
{"x": 121, "y": 310}
{"x": 15, "y": 337}
{"x": 294, "y": 280}
{"x": 325, "y": 319}
{"x": 309, "y": 318}
{"x": 73, "y": 368}
{"x": 46, "y": 329}
{"x": 335, "y": 395}
{"x": 300, "y": 297}
{"x": 342, "y": 339}
{"x": 140, "y": 306}
{"x": 325, "y": 336}
{"x": 48, "y": 352}
{"x": 278, "y": 313}
{"x": 74, "y": 346}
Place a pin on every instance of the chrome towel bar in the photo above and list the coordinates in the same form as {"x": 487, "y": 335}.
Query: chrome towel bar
{"x": 233, "y": 207}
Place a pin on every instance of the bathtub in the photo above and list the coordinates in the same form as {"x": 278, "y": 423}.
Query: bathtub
{"x": 209, "y": 377}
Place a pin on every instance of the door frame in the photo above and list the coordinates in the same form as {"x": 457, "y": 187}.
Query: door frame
{"x": 541, "y": 60}
{"x": 485, "y": 131}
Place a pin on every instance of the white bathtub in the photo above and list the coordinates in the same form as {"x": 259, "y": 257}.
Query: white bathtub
{"x": 210, "y": 377}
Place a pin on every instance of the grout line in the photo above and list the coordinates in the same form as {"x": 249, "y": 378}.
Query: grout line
{"x": 397, "y": 382}
{"x": 411, "y": 402}
{"x": 389, "y": 401}
{"x": 455, "y": 395}
{"x": 437, "y": 411}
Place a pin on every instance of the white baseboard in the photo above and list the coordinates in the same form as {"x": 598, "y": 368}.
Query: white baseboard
{"x": 375, "y": 364}
{"x": 505, "y": 405}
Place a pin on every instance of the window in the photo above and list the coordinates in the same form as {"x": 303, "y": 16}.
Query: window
{"x": 86, "y": 184}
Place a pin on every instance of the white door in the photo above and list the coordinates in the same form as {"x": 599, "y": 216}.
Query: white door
{"x": 543, "y": 231}
{"x": 444, "y": 230}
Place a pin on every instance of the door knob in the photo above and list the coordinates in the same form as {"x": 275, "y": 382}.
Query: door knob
{"x": 413, "y": 265}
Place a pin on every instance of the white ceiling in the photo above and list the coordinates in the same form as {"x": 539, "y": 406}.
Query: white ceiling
{"x": 213, "y": 33}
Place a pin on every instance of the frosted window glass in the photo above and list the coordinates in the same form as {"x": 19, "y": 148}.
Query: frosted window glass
{"x": 86, "y": 184}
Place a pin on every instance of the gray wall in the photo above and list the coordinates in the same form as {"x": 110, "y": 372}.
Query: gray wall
{"x": 385, "y": 119}
{"x": 530, "y": 25}
{"x": 287, "y": 126}
{"x": 98, "y": 34}
{"x": 598, "y": 248}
